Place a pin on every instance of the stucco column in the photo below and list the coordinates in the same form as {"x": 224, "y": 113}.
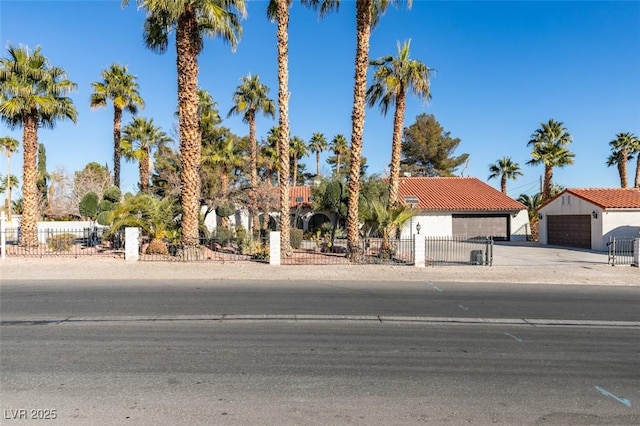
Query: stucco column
{"x": 419, "y": 251}
{"x": 274, "y": 248}
{"x": 131, "y": 244}
{"x": 3, "y": 236}
{"x": 636, "y": 252}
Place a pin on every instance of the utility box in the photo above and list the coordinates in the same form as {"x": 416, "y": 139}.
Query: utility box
{"x": 476, "y": 257}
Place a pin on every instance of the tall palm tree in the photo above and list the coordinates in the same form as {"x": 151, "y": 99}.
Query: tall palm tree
{"x": 297, "y": 149}
{"x": 339, "y": 147}
{"x": 368, "y": 13}
{"x": 121, "y": 88}
{"x": 192, "y": 20}
{"x": 623, "y": 147}
{"x": 250, "y": 98}
{"x": 32, "y": 95}
{"x": 392, "y": 79}
{"x": 505, "y": 169}
{"x": 549, "y": 148}
{"x": 317, "y": 144}
{"x": 223, "y": 154}
{"x": 140, "y": 137}
{"x": 9, "y": 145}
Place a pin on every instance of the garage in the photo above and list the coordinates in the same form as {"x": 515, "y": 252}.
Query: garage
{"x": 569, "y": 230}
{"x": 470, "y": 226}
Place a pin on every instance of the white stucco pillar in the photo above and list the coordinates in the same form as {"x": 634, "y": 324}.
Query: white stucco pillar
{"x": 3, "y": 236}
{"x": 419, "y": 251}
{"x": 274, "y": 248}
{"x": 636, "y": 252}
{"x": 131, "y": 244}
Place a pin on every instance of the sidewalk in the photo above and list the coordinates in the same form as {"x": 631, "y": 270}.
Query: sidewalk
{"x": 553, "y": 268}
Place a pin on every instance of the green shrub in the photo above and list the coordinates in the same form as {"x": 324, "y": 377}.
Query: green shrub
{"x": 104, "y": 218}
{"x": 225, "y": 210}
{"x": 112, "y": 194}
{"x": 223, "y": 236}
{"x": 61, "y": 242}
{"x": 105, "y": 206}
{"x": 296, "y": 238}
{"x": 89, "y": 205}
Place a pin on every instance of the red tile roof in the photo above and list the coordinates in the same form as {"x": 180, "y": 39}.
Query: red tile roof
{"x": 607, "y": 198}
{"x": 456, "y": 194}
{"x": 299, "y": 195}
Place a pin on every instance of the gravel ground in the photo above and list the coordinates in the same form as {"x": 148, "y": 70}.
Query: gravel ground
{"x": 517, "y": 263}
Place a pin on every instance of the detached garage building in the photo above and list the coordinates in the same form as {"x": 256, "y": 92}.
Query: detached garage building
{"x": 462, "y": 207}
{"x": 587, "y": 217}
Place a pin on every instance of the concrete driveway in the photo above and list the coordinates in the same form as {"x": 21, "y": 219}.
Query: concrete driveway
{"x": 526, "y": 253}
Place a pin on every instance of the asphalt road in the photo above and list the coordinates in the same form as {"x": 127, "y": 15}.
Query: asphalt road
{"x": 56, "y": 300}
{"x": 285, "y": 353}
{"x": 319, "y": 373}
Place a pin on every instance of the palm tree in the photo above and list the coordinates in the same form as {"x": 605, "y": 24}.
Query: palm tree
{"x": 339, "y": 148}
{"x": 386, "y": 220}
{"x": 191, "y": 20}
{"x": 223, "y": 154}
{"x": 623, "y": 147}
{"x": 32, "y": 95}
{"x": 273, "y": 143}
{"x": 549, "y": 148}
{"x": 533, "y": 203}
{"x": 392, "y": 79}
{"x": 635, "y": 148}
{"x": 504, "y": 168}
{"x": 121, "y": 88}
{"x": 9, "y": 145}
{"x": 250, "y": 98}
{"x": 368, "y": 13}
{"x": 139, "y": 138}
{"x": 297, "y": 149}
{"x": 317, "y": 144}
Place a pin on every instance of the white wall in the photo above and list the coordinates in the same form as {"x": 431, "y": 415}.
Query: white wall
{"x": 618, "y": 223}
{"x": 520, "y": 227}
{"x": 432, "y": 225}
{"x": 608, "y": 223}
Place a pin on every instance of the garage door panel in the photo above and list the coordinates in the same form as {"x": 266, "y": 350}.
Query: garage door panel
{"x": 480, "y": 226}
{"x": 569, "y": 230}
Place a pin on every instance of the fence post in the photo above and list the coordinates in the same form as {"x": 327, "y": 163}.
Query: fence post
{"x": 131, "y": 247}
{"x": 274, "y": 248}
{"x": 636, "y": 252}
{"x": 419, "y": 252}
{"x": 3, "y": 235}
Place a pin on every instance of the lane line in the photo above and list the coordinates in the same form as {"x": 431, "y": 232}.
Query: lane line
{"x": 610, "y": 395}
{"x": 41, "y": 321}
{"x": 514, "y": 337}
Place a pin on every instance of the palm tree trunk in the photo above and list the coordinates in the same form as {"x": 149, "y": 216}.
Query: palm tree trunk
{"x": 283, "y": 122}
{"x": 144, "y": 171}
{"x": 338, "y": 166}
{"x": 190, "y": 145}
{"x": 28, "y": 222}
{"x": 254, "y": 167}
{"x": 117, "y": 124}
{"x": 548, "y": 177}
{"x": 318, "y": 164}
{"x": 622, "y": 165}
{"x": 621, "y": 173}
{"x": 636, "y": 182}
{"x": 363, "y": 29}
{"x": 295, "y": 170}
{"x": 224, "y": 193}
{"x": 503, "y": 183}
{"x": 396, "y": 149}
{"x": 9, "y": 184}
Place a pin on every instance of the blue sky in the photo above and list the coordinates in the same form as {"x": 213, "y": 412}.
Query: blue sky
{"x": 502, "y": 68}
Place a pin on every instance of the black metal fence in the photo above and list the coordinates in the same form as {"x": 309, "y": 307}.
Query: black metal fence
{"x": 458, "y": 251}
{"x": 620, "y": 250}
{"x": 66, "y": 243}
{"x": 374, "y": 251}
{"x": 216, "y": 248}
